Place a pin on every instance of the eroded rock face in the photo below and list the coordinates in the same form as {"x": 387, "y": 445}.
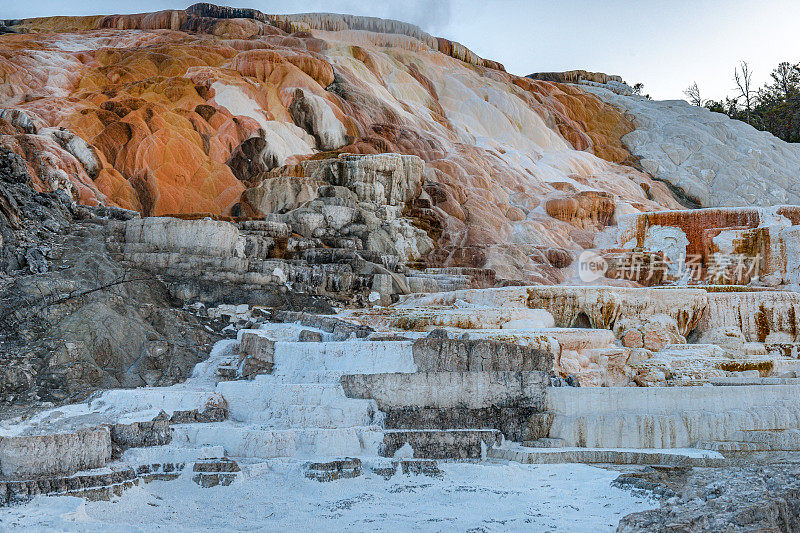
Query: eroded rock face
{"x": 383, "y": 180}
{"x": 348, "y": 202}
{"x": 441, "y": 389}
{"x": 437, "y": 444}
{"x": 604, "y": 307}
{"x": 454, "y": 355}
{"x": 119, "y": 329}
{"x": 435, "y": 398}
{"x": 732, "y": 498}
{"x": 427, "y": 319}
{"x": 94, "y": 486}
{"x": 587, "y": 209}
{"x": 216, "y": 261}
{"x": 754, "y": 316}
{"x": 610, "y": 82}
{"x": 717, "y": 246}
{"x": 312, "y": 113}
{"x": 74, "y": 318}
{"x": 653, "y": 333}
{"x": 139, "y": 434}
{"x": 667, "y": 417}
{"x": 619, "y": 336}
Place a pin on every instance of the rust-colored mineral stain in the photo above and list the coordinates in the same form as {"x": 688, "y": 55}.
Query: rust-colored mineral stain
{"x": 762, "y": 323}
{"x": 764, "y": 367}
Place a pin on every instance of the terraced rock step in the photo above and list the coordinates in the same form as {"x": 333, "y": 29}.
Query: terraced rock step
{"x": 445, "y": 316}
{"x": 351, "y": 467}
{"x": 286, "y": 405}
{"x": 668, "y": 417}
{"x": 756, "y": 441}
{"x": 460, "y": 355}
{"x": 515, "y": 423}
{"x": 676, "y": 457}
{"x": 788, "y": 439}
{"x": 63, "y": 453}
{"x": 431, "y": 280}
{"x": 340, "y": 328}
{"x": 725, "y": 446}
{"x": 744, "y": 380}
{"x": 249, "y": 440}
{"x": 417, "y": 467}
{"x": 511, "y": 402}
{"x": 338, "y": 236}
{"x": 569, "y": 305}
{"x": 97, "y": 485}
{"x": 441, "y": 443}
{"x": 139, "y": 434}
{"x": 105, "y": 483}
{"x": 319, "y": 362}
{"x": 346, "y": 468}
{"x": 472, "y": 390}
{"x": 545, "y": 442}
{"x": 213, "y": 472}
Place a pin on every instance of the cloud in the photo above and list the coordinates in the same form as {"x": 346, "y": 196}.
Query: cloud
{"x": 430, "y": 15}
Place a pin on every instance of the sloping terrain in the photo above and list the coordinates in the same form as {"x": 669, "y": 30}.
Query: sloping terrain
{"x": 184, "y": 111}
{"x": 709, "y": 159}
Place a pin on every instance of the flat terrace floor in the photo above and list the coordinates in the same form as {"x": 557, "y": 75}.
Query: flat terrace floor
{"x": 276, "y": 496}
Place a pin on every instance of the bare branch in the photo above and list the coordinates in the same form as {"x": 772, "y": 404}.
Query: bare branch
{"x": 693, "y": 94}
{"x": 743, "y": 77}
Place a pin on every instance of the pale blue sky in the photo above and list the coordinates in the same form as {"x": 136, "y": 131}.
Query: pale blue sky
{"x": 664, "y": 44}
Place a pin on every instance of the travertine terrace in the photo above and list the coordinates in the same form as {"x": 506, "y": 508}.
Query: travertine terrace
{"x": 342, "y": 244}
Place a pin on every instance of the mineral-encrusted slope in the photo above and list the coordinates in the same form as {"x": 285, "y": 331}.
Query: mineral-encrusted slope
{"x": 708, "y": 158}
{"x": 183, "y": 111}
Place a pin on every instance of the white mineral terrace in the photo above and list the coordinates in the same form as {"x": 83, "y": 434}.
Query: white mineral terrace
{"x": 300, "y": 408}
{"x": 300, "y": 412}
{"x": 296, "y": 410}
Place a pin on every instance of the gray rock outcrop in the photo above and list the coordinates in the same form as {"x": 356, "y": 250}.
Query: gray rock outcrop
{"x": 464, "y": 355}
{"x": 73, "y": 317}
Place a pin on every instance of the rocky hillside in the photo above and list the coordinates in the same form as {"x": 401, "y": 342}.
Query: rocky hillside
{"x": 199, "y": 110}
{"x": 242, "y": 250}
{"x": 212, "y": 109}
{"x": 73, "y": 318}
{"x": 290, "y": 126}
